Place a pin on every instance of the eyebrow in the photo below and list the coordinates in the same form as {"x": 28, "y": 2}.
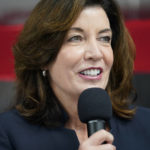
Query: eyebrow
{"x": 81, "y": 30}
{"x": 76, "y": 29}
{"x": 106, "y": 30}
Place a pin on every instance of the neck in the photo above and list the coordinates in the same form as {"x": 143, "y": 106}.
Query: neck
{"x": 74, "y": 122}
{"x": 80, "y": 128}
{"x": 70, "y": 102}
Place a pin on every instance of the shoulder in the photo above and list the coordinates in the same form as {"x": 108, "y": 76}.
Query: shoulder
{"x": 7, "y": 117}
{"x": 9, "y": 114}
{"x": 140, "y": 120}
{"x": 142, "y": 114}
{"x": 15, "y": 130}
{"x": 143, "y": 110}
{"x": 14, "y": 125}
{"x": 10, "y": 118}
{"x": 11, "y": 121}
{"x": 132, "y": 133}
{"x": 8, "y": 127}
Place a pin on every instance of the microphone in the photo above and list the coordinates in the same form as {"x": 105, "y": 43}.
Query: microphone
{"x": 94, "y": 109}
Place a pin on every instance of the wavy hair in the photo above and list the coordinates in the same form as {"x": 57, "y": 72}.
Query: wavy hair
{"x": 38, "y": 45}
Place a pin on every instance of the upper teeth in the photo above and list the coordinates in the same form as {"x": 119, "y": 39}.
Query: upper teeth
{"x": 91, "y": 72}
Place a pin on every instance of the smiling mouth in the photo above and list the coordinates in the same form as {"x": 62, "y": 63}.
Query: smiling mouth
{"x": 91, "y": 72}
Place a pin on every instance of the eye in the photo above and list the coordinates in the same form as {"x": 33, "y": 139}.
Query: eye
{"x": 105, "y": 39}
{"x": 76, "y": 38}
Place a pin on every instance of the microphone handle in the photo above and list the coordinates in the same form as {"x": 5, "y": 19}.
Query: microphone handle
{"x": 94, "y": 126}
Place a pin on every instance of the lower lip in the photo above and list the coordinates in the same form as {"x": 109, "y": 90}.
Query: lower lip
{"x": 90, "y": 77}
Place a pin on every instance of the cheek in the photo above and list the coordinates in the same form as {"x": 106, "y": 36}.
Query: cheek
{"x": 66, "y": 61}
{"x": 71, "y": 56}
{"x": 109, "y": 58}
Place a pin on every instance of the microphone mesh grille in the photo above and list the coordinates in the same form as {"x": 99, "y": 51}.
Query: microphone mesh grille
{"x": 94, "y": 103}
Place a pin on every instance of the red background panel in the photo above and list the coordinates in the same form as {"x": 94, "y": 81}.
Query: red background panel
{"x": 8, "y": 35}
{"x": 139, "y": 29}
{"x": 140, "y": 32}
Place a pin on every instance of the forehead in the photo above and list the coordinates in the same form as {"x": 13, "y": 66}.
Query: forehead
{"x": 92, "y": 16}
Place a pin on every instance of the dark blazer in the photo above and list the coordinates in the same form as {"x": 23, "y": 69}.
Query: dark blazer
{"x": 18, "y": 134}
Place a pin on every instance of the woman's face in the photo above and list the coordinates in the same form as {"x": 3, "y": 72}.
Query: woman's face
{"x": 86, "y": 57}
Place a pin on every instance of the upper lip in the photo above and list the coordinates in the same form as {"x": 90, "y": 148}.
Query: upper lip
{"x": 89, "y": 68}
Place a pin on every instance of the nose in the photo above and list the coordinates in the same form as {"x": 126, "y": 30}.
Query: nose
{"x": 93, "y": 50}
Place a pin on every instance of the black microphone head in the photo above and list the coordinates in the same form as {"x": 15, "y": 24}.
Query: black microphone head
{"x": 93, "y": 104}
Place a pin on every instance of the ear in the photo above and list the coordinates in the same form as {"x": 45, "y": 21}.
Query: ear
{"x": 45, "y": 67}
{"x": 44, "y": 71}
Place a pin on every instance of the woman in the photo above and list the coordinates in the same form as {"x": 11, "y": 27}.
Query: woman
{"x": 67, "y": 46}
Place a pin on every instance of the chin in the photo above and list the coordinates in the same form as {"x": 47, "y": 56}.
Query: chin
{"x": 92, "y": 86}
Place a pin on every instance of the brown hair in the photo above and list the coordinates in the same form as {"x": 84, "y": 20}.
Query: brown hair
{"x": 39, "y": 44}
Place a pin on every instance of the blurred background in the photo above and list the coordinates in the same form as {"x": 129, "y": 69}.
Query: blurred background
{"x": 13, "y": 14}
{"x": 16, "y": 11}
